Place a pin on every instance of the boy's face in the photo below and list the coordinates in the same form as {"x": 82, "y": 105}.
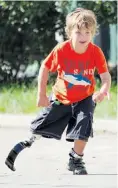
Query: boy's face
{"x": 81, "y": 37}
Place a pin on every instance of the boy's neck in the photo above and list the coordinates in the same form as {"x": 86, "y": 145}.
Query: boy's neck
{"x": 79, "y": 50}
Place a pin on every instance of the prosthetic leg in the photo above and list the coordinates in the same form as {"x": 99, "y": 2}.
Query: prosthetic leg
{"x": 10, "y": 160}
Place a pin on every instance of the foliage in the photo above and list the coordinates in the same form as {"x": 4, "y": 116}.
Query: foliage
{"x": 106, "y": 11}
{"x": 27, "y": 31}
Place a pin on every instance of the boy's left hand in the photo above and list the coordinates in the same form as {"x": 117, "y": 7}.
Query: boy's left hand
{"x": 99, "y": 96}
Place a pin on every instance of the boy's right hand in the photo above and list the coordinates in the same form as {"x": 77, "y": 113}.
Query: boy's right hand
{"x": 43, "y": 101}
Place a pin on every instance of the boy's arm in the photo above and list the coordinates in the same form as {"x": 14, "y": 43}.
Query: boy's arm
{"x": 106, "y": 82}
{"x": 42, "y": 80}
{"x": 50, "y": 63}
{"x": 104, "y": 90}
{"x": 102, "y": 68}
{"x": 42, "y": 99}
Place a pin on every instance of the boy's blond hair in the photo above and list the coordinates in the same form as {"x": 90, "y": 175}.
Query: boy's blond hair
{"x": 81, "y": 17}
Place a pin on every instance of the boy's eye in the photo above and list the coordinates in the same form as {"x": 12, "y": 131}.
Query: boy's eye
{"x": 87, "y": 32}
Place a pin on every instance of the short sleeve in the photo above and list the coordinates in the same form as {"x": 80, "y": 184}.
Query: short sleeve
{"x": 100, "y": 61}
{"x": 51, "y": 61}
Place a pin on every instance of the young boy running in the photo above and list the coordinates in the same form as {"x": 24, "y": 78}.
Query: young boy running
{"x": 73, "y": 97}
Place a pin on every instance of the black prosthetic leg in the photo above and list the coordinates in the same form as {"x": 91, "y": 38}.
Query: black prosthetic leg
{"x": 10, "y": 160}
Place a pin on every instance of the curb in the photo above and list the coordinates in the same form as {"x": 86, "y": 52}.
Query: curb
{"x": 23, "y": 122}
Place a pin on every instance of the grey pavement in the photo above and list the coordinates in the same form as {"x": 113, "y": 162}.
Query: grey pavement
{"x": 44, "y": 164}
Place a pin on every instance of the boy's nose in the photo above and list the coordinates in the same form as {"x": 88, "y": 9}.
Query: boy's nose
{"x": 82, "y": 37}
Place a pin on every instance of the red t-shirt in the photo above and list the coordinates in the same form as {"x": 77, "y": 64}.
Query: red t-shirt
{"x": 75, "y": 80}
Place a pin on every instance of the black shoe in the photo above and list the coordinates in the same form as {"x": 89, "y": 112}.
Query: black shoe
{"x": 77, "y": 166}
{"x": 76, "y": 163}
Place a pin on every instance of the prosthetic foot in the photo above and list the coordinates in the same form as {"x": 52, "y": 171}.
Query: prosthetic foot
{"x": 10, "y": 160}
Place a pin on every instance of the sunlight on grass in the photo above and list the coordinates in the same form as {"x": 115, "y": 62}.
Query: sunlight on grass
{"x": 18, "y": 100}
{"x": 23, "y": 100}
{"x": 107, "y": 109}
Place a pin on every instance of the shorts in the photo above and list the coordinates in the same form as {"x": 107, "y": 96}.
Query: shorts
{"x": 76, "y": 118}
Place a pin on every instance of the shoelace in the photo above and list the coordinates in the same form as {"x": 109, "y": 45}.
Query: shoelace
{"x": 79, "y": 163}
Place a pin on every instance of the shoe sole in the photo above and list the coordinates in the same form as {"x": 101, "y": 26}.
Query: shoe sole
{"x": 80, "y": 173}
{"x": 75, "y": 173}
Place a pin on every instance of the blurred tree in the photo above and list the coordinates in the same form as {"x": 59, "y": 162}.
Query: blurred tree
{"x": 106, "y": 11}
{"x": 27, "y": 30}
{"x": 27, "y": 33}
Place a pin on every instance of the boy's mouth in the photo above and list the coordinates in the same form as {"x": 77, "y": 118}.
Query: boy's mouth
{"x": 82, "y": 42}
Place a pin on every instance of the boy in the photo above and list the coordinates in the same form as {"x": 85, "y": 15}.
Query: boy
{"x": 73, "y": 100}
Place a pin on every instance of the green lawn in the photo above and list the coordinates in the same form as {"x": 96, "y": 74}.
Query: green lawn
{"x": 108, "y": 109}
{"x": 23, "y": 100}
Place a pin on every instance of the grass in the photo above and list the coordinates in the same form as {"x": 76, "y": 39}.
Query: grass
{"x": 108, "y": 109}
{"x": 17, "y": 99}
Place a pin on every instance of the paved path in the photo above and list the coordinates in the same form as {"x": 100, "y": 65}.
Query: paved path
{"x": 44, "y": 165}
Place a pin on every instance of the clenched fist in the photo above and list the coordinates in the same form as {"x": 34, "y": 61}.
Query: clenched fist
{"x": 99, "y": 96}
{"x": 42, "y": 101}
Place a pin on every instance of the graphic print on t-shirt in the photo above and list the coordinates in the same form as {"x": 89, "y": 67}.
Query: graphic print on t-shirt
{"x": 76, "y": 79}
